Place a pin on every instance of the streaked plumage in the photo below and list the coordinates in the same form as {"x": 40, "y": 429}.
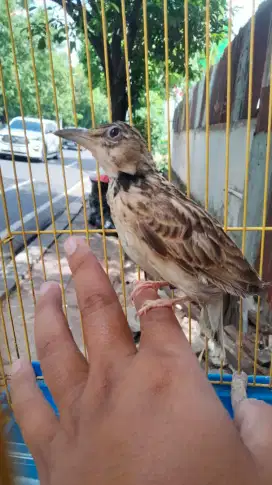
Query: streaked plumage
{"x": 170, "y": 236}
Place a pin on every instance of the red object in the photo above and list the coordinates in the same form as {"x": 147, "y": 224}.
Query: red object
{"x": 103, "y": 178}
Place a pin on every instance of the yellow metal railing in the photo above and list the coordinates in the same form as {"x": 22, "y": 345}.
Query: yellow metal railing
{"x": 11, "y": 346}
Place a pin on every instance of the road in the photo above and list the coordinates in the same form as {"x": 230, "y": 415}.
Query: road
{"x": 72, "y": 175}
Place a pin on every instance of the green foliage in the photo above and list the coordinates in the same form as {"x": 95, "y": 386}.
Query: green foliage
{"x": 44, "y": 75}
{"x": 135, "y": 37}
{"x": 157, "y": 119}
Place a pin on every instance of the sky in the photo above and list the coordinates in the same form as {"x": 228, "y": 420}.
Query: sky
{"x": 241, "y": 17}
{"x": 244, "y": 13}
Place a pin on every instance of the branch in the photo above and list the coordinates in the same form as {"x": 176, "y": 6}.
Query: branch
{"x": 133, "y": 25}
{"x": 116, "y": 51}
{"x": 96, "y": 41}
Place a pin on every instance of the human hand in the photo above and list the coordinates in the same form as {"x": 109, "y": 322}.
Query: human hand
{"x": 126, "y": 417}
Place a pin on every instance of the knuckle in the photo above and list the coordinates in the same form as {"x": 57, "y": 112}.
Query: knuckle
{"x": 161, "y": 377}
{"x": 93, "y": 302}
{"x": 103, "y": 381}
{"x": 80, "y": 263}
{"x": 49, "y": 345}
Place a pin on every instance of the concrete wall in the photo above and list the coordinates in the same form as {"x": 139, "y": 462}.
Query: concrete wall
{"x": 259, "y": 151}
{"x": 217, "y": 161}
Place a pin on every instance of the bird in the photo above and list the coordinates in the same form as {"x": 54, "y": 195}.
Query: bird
{"x": 170, "y": 236}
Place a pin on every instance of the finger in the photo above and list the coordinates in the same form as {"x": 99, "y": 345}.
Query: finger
{"x": 106, "y": 329}
{"x": 35, "y": 417}
{"x": 64, "y": 367}
{"x": 159, "y": 327}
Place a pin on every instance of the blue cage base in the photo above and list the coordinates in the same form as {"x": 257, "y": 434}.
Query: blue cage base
{"x": 23, "y": 463}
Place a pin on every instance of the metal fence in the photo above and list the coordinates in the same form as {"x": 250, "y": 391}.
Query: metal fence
{"x": 14, "y": 342}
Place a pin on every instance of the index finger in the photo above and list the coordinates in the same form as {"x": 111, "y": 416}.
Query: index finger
{"x": 104, "y": 322}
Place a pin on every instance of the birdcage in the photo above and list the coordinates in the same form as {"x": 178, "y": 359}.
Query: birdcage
{"x": 211, "y": 135}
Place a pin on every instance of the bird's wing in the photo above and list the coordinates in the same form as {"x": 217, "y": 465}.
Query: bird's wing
{"x": 177, "y": 228}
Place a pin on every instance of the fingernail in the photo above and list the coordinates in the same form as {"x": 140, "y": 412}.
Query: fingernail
{"x": 47, "y": 285}
{"x": 70, "y": 246}
{"x": 16, "y": 366}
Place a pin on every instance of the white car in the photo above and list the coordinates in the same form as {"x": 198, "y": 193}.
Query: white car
{"x": 34, "y": 139}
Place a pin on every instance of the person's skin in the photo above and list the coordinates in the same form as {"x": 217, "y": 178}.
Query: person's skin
{"x": 127, "y": 417}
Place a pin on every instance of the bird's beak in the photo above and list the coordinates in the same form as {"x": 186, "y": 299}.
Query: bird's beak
{"x": 78, "y": 135}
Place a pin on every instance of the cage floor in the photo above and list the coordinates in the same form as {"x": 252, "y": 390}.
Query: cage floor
{"x": 23, "y": 463}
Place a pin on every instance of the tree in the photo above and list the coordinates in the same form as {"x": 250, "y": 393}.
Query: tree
{"x": 25, "y": 71}
{"x": 135, "y": 36}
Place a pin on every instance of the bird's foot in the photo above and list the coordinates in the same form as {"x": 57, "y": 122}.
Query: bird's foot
{"x": 145, "y": 285}
{"x": 238, "y": 389}
{"x": 162, "y": 303}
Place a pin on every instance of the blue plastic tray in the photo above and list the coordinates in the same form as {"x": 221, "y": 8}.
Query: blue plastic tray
{"x": 23, "y": 463}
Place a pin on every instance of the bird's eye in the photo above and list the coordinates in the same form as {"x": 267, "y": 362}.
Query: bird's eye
{"x": 114, "y": 132}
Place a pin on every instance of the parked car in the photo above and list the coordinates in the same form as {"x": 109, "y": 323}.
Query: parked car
{"x": 34, "y": 139}
{"x": 94, "y": 214}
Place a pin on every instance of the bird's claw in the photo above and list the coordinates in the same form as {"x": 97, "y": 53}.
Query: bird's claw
{"x": 161, "y": 303}
{"x": 145, "y": 285}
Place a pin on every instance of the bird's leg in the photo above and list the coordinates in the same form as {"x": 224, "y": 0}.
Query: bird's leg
{"x": 238, "y": 389}
{"x": 162, "y": 303}
{"x": 211, "y": 323}
{"x": 145, "y": 285}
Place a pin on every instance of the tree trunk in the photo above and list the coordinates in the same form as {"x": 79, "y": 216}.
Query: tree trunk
{"x": 119, "y": 102}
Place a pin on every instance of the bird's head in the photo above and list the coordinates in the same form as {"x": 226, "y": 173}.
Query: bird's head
{"x": 117, "y": 147}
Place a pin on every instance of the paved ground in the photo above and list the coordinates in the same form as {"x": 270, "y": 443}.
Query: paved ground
{"x": 20, "y": 324}
{"x": 72, "y": 174}
{"x": 12, "y": 311}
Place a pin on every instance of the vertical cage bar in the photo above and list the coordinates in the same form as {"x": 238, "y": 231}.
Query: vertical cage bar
{"x": 89, "y": 70}
{"x": 146, "y": 75}
{"x": 166, "y": 46}
{"x": 124, "y": 23}
{"x": 88, "y": 59}
{"x": 264, "y": 216}
{"x": 4, "y": 329}
{"x": 16, "y": 185}
{"x": 75, "y": 115}
{"x": 187, "y": 107}
{"x": 79, "y": 155}
{"x": 9, "y": 305}
{"x": 55, "y": 100}
{"x": 38, "y": 103}
{"x": 18, "y": 288}
{"x": 106, "y": 57}
{"x": 228, "y": 116}
{"x": 207, "y": 137}
{"x": 187, "y": 123}
{"x": 18, "y": 86}
{"x": 249, "y": 110}
{"x": 4, "y": 379}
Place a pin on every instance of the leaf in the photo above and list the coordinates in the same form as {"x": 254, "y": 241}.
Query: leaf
{"x": 113, "y": 5}
{"x": 72, "y": 45}
{"x": 42, "y": 43}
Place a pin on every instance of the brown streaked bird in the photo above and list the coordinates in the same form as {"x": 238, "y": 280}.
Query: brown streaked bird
{"x": 168, "y": 235}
